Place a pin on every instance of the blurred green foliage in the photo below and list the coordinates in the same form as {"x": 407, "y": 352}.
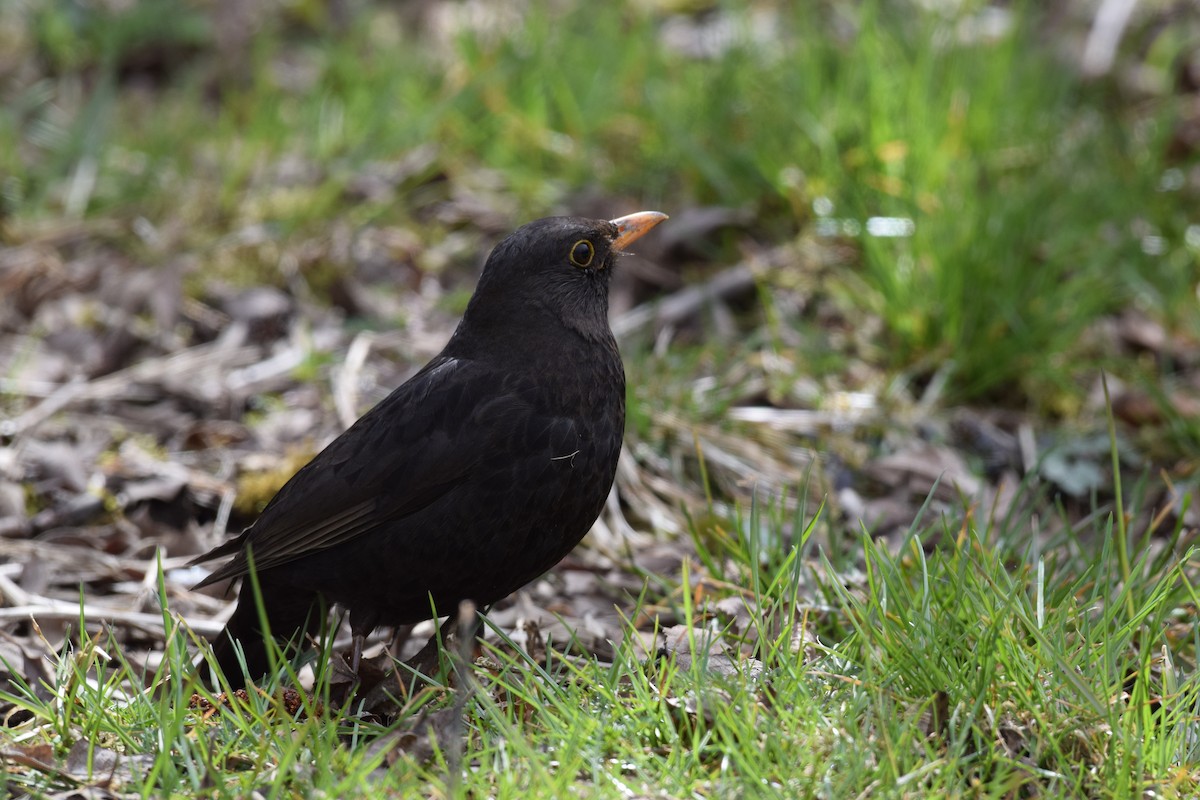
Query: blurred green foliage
{"x": 998, "y": 204}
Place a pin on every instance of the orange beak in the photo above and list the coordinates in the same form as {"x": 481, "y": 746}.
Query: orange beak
{"x": 632, "y": 227}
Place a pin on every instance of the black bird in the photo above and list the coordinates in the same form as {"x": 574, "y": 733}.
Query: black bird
{"x": 469, "y": 480}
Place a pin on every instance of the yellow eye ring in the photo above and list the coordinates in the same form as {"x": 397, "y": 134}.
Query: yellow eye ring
{"x": 582, "y": 253}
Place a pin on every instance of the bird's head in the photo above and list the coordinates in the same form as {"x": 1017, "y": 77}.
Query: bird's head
{"x": 559, "y": 265}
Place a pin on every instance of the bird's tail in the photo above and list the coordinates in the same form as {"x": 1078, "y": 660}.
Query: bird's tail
{"x": 242, "y": 652}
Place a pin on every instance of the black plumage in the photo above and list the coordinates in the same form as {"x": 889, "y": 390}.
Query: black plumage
{"x": 470, "y": 479}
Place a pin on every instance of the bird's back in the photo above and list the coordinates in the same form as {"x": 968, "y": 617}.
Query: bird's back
{"x": 541, "y": 432}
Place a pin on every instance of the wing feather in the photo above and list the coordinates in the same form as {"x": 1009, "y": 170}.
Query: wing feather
{"x": 431, "y": 429}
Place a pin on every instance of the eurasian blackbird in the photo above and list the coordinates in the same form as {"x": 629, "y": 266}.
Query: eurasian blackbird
{"x": 469, "y": 480}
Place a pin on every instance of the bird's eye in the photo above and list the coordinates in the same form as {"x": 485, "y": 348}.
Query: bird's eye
{"x": 582, "y": 253}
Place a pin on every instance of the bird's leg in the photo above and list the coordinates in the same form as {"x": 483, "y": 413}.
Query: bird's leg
{"x": 356, "y": 649}
{"x": 465, "y": 627}
{"x": 477, "y": 633}
{"x": 382, "y": 698}
{"x": 400, "y": 637}
{"x": 427, "y": 659}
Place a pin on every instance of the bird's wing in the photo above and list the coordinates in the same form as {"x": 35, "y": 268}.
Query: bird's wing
{"x": 420, "y": 442}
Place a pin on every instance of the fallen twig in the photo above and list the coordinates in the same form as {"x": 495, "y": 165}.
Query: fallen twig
{"x": 684, "y": 304}
{"x": 62, "y": 611}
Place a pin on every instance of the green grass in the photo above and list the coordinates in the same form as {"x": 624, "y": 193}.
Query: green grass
{"x": 1029, "y": 194}
{"x": 979, "y": 669}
